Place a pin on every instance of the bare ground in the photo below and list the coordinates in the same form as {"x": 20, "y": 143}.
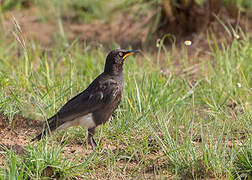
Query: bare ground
{"x": 123, "y": 30}
{"x": 17, "y": 137}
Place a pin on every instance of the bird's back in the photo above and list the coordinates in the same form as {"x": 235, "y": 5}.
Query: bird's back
{"x": 101, "y": 98}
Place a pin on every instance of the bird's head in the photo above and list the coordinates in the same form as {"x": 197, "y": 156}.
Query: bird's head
{"x": 115, "y": 60}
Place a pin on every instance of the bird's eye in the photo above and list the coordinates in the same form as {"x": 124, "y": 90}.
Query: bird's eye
{"x": 120, "y": 54}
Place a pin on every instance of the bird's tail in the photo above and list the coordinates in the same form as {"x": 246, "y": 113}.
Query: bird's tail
{"x": 50, "y": 125}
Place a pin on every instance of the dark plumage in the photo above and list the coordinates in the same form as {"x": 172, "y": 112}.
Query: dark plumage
{"x": 94, "y": 105}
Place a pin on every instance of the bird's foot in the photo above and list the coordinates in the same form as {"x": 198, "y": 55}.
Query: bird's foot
{"x": 92, "y": 143}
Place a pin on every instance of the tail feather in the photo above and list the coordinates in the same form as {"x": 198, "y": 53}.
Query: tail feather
{"x": 38, "y": 137}
{"x": 53, "y": 124}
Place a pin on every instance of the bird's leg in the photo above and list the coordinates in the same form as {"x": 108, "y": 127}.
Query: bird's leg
{"x": 91, "y": 140}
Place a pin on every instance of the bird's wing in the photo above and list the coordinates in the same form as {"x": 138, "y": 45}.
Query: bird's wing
{"x": 93, "y": 98}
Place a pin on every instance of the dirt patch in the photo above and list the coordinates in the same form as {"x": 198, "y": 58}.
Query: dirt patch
{"x": 124, "y": 30}
{"x": 31, "y": 24}
{"x": 17, "y": 136}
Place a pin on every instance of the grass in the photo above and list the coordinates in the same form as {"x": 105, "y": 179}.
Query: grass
{"x": 76, "y": 10}
{"x": 42, "y": 161}
{"x": 167, "y": 125}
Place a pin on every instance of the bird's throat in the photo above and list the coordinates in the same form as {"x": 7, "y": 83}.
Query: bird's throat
{"x": 114, "y": 70}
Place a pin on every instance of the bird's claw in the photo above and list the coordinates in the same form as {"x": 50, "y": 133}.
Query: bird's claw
{"x": 92, "y": 143}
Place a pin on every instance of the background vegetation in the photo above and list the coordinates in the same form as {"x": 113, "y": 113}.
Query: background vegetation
{"x": 184, "y": 114}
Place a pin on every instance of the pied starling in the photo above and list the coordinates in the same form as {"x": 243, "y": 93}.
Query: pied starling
{"x": 94, "y": 105}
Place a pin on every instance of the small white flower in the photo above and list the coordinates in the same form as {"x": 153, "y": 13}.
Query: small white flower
{"x": 236, "y": 36}
{"x": 239, "y": 85}
{"x": 188, "y": 43}
{"x": 158, "y": 42}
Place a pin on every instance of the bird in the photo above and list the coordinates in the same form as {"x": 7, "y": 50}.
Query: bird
{"x": 95, "y": 105}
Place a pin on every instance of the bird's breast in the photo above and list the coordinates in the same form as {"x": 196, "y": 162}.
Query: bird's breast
{"x": 102, "y": 115}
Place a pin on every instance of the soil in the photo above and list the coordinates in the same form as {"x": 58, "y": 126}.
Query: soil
{"x": 17, "y": 137}
{"x": 123, "y": 30}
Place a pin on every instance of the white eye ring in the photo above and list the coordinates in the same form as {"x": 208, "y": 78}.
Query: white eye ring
{"x": 120, "y": 54}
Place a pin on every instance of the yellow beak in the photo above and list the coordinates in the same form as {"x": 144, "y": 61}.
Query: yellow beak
{"x": 129, "y": 53}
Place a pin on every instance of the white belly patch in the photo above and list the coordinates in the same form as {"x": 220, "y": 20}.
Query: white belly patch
{"x": 86, "y": 121}
{"x": 83, "y": 121}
